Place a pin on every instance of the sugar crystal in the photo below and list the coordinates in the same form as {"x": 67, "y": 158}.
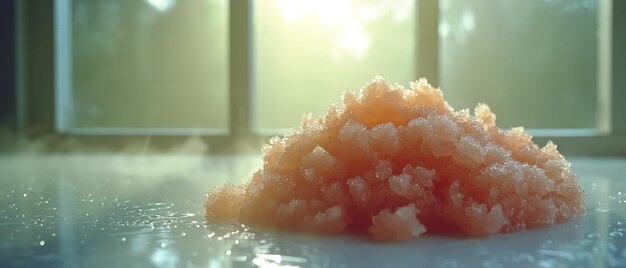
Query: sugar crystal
{"x": 396, "y": 163}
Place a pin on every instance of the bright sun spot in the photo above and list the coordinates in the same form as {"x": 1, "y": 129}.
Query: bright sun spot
{"x": 467, "y": 20}
{"x": 162, "y": 5}
{"x": 345, "y": 19}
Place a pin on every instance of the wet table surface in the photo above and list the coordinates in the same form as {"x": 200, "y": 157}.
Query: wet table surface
{"x": 146, "y": 211}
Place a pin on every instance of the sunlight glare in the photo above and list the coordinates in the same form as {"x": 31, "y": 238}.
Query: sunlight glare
{"x": 345, "y": 20}
{"x": 162, "y": 5}
{"x": 467, "y": 21}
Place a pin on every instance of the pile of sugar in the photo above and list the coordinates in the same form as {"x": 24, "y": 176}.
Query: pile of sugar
{"x": 395, "y": 163}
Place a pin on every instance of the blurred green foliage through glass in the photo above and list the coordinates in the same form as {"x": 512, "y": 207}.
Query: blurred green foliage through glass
{"x": 150, "y": 64}
{"x": 307, "y": 52}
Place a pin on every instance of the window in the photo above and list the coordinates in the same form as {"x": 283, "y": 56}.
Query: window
{"x": 308, "y": 52}
{"x": 216, "y": 67}
{"x": 143, "y": 66}
{"x": 534, "y": 62}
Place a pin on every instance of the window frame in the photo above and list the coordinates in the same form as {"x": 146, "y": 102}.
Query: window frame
{"x": 609, "y": 137}
{"x": 64, "y": 105}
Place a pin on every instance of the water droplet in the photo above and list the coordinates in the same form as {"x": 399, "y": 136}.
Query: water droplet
{"x": 162, "y": 245}
{"x": 228, "y": 252}
{"x": 41, "y": 243}
{"x": 184, "y": 234}
{"x": 123, "y": 239}
{"x": 616, "y": 234}
{"x": 593, "y": 236}
{"x": 586, "y": 242}
{"x": 24, "y": 195}
{"x": 54, "y": 234}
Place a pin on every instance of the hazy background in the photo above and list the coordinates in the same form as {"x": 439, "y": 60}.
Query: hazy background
{"x": 165, "y": 64}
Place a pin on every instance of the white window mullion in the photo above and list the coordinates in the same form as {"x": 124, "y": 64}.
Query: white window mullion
{"x": 240, "y": 58}
{"x": 618, "y": 68}
{"x": 63, "y": 65}
{"x": 427, "y": 40}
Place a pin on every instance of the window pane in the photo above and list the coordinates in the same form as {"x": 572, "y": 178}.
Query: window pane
{"x": 533, "y": 62}
{"x": 150, "y": 64}
{"x": 308, "y": 52}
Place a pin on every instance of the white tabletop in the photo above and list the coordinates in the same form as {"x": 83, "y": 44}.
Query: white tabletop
{"x": 146, "y": 211}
